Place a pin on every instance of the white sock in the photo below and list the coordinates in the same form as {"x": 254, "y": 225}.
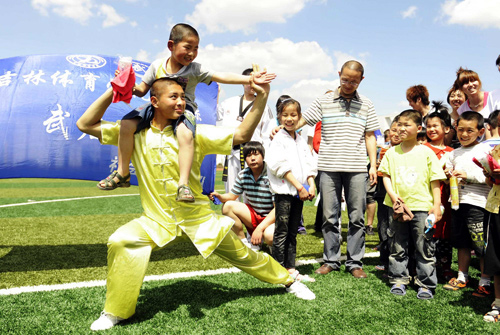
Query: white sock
{"x": 463, "y": 276}
{"x": 484, "y": 281}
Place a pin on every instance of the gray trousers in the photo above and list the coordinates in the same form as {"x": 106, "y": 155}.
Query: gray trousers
{"x": 400, "y": 234}
{"x": 354, "y": 184}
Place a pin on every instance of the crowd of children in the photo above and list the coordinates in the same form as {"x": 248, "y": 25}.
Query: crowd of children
{"x": 415, "y": 218}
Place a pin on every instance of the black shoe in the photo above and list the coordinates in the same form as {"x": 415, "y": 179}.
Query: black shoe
{"x": 369, "y": 230}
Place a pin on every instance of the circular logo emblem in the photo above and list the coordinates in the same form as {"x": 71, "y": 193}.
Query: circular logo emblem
{"x": 86, "y": 61}
{"x": 139, "y": 67}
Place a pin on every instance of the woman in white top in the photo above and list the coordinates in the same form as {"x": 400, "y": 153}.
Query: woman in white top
{"x": 477, "y": 99}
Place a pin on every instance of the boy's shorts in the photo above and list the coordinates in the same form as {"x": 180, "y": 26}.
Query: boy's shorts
{"x": 145, "y": 115}
{"x": 256, "y": 219}
{"x": 467, "y": 228}
{"x": 370, "y": 191}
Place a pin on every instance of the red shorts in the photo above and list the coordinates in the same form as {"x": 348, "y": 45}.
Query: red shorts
{"x": 256, "y": 219}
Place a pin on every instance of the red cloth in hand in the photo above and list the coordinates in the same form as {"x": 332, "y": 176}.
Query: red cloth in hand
{"x": 123, "y": 85}
{"x": 317, "y": 137}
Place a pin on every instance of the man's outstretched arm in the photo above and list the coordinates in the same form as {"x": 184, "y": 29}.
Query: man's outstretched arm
{"x": 90, "y": 121}
{"x": 245, "y": 130}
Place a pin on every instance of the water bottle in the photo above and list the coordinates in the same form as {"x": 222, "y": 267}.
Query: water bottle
{"x": 431, "y": 220}
{"x": 454, "y": 193}
{"x": 124, "y": 63}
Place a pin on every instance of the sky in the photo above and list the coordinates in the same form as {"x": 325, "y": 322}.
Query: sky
{"x": 305, "y": 42}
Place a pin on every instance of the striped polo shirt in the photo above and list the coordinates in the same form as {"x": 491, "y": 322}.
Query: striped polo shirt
{"x": 257, "y": 192}
{"x": 344, "y": 124}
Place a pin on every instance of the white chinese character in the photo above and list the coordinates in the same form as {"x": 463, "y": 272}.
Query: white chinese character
{"x": 198, "y": 116}
{"x": 90, "y": 81}
{"x": 56, "y": 122}
{"x": 138, "y": 67}
{"x": 114, "y": 164}
{"x": 34, "y": 78}
{"x": 63, "y": 78}
{"x": 132, "y": 169}
{"x": 90, "y": 136}
{"x": 6, "y": 79}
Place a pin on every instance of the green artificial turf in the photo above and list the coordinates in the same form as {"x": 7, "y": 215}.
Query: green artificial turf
{"x": 64, "y": 242}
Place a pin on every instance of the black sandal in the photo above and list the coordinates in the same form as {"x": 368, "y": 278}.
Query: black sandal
{"x": 110, "y": 184}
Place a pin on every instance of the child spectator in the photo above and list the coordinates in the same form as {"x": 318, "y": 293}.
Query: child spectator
{"x": 387, "y": 138}
{"x": 492, "y": 128}
{"x": 492, "y": 252}
{"x": 411, "y": 176}
{"x": 371, "y": 204}
{"x": 183, "y": 45}
{"x": 382, "y": 210}
{"x": 467, "y": 221}
{"x": 438, "y": 126}
{"x": 257, "y": 214}
{"x": 422, "y": 135}
{"x": 291, "y": 169}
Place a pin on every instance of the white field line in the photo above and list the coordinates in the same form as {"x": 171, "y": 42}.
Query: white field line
{"x": 169, "y": 276}
{"x": 68, "y": 199}
{"x": 73, "y": 199}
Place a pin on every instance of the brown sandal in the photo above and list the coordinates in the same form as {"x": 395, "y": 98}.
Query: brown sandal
{"x": 110, "y": 184}
{"x": 184, "y": 194}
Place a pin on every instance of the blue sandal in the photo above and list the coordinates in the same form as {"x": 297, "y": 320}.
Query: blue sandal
{"x": 424, "y": 293}
{"x": 398, "y": 289}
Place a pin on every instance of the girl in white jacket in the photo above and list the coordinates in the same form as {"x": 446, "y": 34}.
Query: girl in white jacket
{"x": 291, "y": 171}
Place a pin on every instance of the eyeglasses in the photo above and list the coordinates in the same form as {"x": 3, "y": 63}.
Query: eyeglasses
{"x": 345, "y": 82}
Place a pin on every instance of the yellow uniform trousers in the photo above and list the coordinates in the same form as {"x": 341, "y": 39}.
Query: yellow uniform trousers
{"x": 130, "y": 247}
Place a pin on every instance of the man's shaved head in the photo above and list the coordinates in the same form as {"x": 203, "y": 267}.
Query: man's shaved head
{"x": 160, "y": 84}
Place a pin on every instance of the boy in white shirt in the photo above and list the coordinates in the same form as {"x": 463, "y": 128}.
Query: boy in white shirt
{"x": 467, "y": 222}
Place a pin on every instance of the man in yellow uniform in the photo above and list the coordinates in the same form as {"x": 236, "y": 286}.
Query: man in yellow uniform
{"x": 164, "y": 220}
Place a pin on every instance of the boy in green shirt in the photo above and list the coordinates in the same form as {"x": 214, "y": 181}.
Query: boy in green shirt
{"x": 411, "y": 174}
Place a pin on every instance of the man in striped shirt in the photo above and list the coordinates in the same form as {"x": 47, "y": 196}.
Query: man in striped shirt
{"x": 347, "y": 136}
{"x": 257, "y": 214}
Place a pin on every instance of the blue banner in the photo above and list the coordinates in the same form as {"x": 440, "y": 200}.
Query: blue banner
{"x": 42, "y": 97}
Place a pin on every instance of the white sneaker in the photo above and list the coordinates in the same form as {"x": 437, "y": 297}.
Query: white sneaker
{"x": 246, "y": 243}
{"x": 301, "y": 291}
{"x": 105, "y": 321}
{"x": 254, "y": 247}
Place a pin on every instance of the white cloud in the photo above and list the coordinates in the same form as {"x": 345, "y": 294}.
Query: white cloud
{"x": 411, "y": 12}
{"x": 241, "y": 15}
{"x": 403, "y": 104}
{"x": 290, "y": 61}
{"x": 343, "y": 57}
{"x": 305, "y": 91}
{"x": 143, "y": 55}
{"x": 474, "y": 13}
{"x": 78, "y": 10}
{"x": 111, "y": 17}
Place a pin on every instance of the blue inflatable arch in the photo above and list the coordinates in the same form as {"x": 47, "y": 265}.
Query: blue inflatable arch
{"x": 42, "y": 97}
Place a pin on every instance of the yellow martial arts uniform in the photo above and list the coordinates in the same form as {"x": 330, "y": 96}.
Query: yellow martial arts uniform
{"x": 155, "y": 159}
